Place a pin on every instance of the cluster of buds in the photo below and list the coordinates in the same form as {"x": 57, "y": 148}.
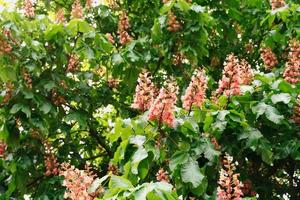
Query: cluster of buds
{"x": 27, "y": 78}
{"x": 277, "y": 4}
{"x": 231, "y": 80}
{"x": 3, "y": 147}
{"x": 178, "y": 59}
{"x": 77, "y": 182}
{"x": 51, "y": 164}
{"x": 123, "y": 27}
{"x": 249, "y": 47}
{"x": 73, "y": 63}
{"x": 113, "y": 83}
{"x": 214, "y": 141}
{"x": 215, "y": 61}
{"x": 296, "y": 115}
{"x": 88, "y": 4}
{"x": 113, "y": 169}
{"x": 144, "y": 92}
{"x": 28, "y": 7}
{"x": 229, "y": 184}
{"x": 5, "y": 47}
{"x": 35, "y": 133}
{"x": 57, "y": 99}
{"x": 7, "y": 33}
{"x": 162, "y": 176}
{"x": 8, "y": 93}
{"x": 112, "y": 4}
{"x": 63, "y": 84}
{"x": 292, "y": 69}
{"x": 60, "y": 16}
{"x": 246, "y": 72}
{"x": 110, "y": 38}
{"x": 18, "y": 122}
{"x": 269, "y": 58}
{"x": 162, "y": 109}
{"x": 173, "y": 23}
{"x": 195, "y": 93}
{"x": 159, "y": 142}
{"x": 248, "y": 188}
{"x": 77, "y": 11}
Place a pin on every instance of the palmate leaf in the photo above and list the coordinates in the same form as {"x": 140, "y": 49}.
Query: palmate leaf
{"x": 118, "y": 182}
{"x": 252, "y": 135}
{"x": 282, "y": 97}
{"x": 190, "y": 173}
{"x": 271, "y": 113}
{"x": 137, "y": 157}
{"x": 178, "y": 158}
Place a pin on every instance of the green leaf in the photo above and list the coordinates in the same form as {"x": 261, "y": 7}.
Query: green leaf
{"x": 118, "y": 182}
{"x": 222, "y": 114}
{"x": 178, "y": 158}
{"x": 28, "y": 94}
{"x": 26, "y": 110}
{"x": 282, "y": 97}
{"x": 4, "y": 134}
{"x": 190, "y": 173}
{"x": 49, "y": 85}
{"x": 286, "y": 87}
{"x": 183, "y": 5}
{"x": 252, "y": 135}
{"x": 78, "y": 117}
{"x": 16, "y": 108}
{"x": 46, "y": 107}
{"x": 120, "y": 153}
{"x": 201, "y": 189}
{"x": 271, "y": 113}
{"x": 207, "y": 122}
{"x": 8, "y": 74}
{"x": 167, "y": 7}
{"x": 156, "y": 32}
{"x": 259, "y": 109}
{"x": 117, "y": 59}
{"x": 137, "y": 157}
{"x": 138, "y": 140}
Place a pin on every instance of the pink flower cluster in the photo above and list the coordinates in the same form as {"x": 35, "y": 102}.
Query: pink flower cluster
{"x": 28, "y": 7}
{"x": 60, "y": 16}
{"x": 231, "y": 79}
{"x": 292, "y": 68}
{"x": 229, "y": 184}
{"x": 77, "y": 182}
{"x": 88, "y": 4}
{"x": 277, "y": 4}
{"x": 269, "y": 58}
{"x": 52, "y": 166}
{"x": 2, "y": 148}
{"x": 110, "y": 38}
{"x": 246, "y": 72}
{"x": 162, "y": 109}
{"x": 77, "y": 10}
{"x": 195, "y": 93}
{"x": 144, "y": 92}
{"x": 162, "y": 176}
{"x": 123, "y": 27}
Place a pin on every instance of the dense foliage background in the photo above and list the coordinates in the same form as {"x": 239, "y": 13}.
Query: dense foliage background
{"x": 68, "y": 74}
